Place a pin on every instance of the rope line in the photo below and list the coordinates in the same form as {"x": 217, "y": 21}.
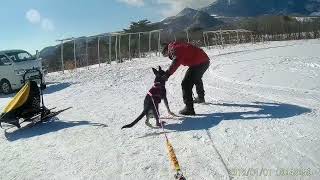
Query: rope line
{"x": 172, "y": 155}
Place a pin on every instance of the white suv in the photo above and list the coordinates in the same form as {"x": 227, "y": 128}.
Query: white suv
{"x": 13, "y": 65}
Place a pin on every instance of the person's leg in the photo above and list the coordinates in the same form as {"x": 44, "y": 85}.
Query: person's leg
{"x": 187, "y": 85}
{"x": 198, "y": 74}
{"x": 199, "y": 88}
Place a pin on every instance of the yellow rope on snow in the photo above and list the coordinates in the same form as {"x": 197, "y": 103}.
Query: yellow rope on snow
{"x": 171, "y": 152}
{"x": 173, "y": 157}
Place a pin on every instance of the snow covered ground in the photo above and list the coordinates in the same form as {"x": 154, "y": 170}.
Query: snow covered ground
{"x": 261, "y": 121}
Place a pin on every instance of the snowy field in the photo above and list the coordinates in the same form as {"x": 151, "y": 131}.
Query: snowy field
{"x": 262, "y": 121}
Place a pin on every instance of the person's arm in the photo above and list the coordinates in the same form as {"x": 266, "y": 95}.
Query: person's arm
{"x": 173, "y": 67}
{"x": 175, "y": 61}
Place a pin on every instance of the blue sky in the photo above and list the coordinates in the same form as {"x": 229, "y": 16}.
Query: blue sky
{"x": 35, "y": 24}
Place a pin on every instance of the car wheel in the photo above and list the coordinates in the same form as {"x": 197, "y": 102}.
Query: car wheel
{"x": 5, "y": 87}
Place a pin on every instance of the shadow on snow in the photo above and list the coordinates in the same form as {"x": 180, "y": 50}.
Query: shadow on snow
{"x": 264, "y": 111}
{"x": 43, "y": 128}
{"x": 55, "y": 87}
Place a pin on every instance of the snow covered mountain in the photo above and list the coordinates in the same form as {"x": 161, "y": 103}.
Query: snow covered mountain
{"x": 189, "y": 19}
{"x": 263, "y": 7}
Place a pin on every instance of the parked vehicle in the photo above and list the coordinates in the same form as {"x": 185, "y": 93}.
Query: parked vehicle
{"x": 13, "y": 65}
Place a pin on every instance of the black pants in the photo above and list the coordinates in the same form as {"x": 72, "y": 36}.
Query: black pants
{"x": 193, "y": 77}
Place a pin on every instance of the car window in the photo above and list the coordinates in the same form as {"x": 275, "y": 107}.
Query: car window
{"x": 24, "y": 56}
{"x": 19, "y": 56}
{"x": 4, "y": 60}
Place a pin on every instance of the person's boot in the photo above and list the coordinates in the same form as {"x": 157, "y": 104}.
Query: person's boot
{"x": 187, "y": 110}
{"x": 199, "y": 100}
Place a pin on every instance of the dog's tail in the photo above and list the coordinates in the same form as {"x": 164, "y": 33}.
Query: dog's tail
{"x": 135, "y": 121}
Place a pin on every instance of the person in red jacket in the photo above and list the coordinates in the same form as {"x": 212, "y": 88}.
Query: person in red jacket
{"x": 198, "y": 61}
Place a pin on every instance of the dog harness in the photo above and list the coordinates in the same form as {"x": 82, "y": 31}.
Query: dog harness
{"x": 156, "y": 92}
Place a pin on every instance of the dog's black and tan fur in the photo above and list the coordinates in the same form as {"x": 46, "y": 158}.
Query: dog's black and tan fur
{"x": 153, "y": 98}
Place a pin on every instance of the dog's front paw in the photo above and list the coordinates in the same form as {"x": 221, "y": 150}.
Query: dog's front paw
{"x": 148, "y": 123}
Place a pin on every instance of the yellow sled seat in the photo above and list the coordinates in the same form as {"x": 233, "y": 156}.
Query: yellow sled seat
{"x": 19, "y": 99}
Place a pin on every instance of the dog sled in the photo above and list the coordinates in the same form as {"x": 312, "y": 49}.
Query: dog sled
{"x": 27, "y": 106}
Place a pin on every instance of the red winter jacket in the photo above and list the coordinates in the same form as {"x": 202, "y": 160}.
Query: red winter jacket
{"x": 185, "y": 54}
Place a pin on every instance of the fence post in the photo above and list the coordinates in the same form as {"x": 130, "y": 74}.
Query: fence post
{"x": 238, "y": 38}
{"x": 204, "y": 39}
{"x": 217, "y": 38}
{"x": 129, "y": 47}
{"x": 221, "y": 38}
{"x": 62, "y": 63}
{"x": 87, "y": 55}
{"x": 139, "y": 44}
{"x": 208, "y": 40}
{"x": 99, "y": 50}
{"x": 110, "y": 44}
{"x": 159, "y": 43}
{"x": 120, "y": 60}
{"x": 115, "y": 47}
{"x": 74, "y": 53}
{"x": 252, "y": 40}
{"x": 150, "y": 43}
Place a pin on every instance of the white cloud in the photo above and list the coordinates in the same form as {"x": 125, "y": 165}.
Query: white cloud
{"x": 47, "y": 24}
{"x": 175, "y": 6}
{"x": 137, "y": 3}
{"x": 33, "y": 16}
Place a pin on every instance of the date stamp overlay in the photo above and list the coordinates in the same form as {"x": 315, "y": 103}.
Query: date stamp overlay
{"x": 268, "y": 172}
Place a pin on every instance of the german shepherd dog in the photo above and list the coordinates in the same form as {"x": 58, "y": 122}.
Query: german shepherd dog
{"x": 153, "y": 99}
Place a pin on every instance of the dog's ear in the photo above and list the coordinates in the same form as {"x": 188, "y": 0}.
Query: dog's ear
{"x": 160, "y": 68}
{"x": 154, "y": 71}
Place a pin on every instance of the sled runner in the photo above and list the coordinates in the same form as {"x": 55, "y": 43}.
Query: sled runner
{"x": 28, "y": 105}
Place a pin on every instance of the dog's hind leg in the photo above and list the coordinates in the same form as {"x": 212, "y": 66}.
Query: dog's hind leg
{"x": 147, "y": 122}
{"x": 147, "y": 119}
{"x": 155, "y": 111}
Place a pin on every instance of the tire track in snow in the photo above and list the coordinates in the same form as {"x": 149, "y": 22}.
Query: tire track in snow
{"x": 252, "y": 50}
{"x": 219, "y": 155}
{"x": 273, "y": 93}
{"x": 270, "y": 87}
